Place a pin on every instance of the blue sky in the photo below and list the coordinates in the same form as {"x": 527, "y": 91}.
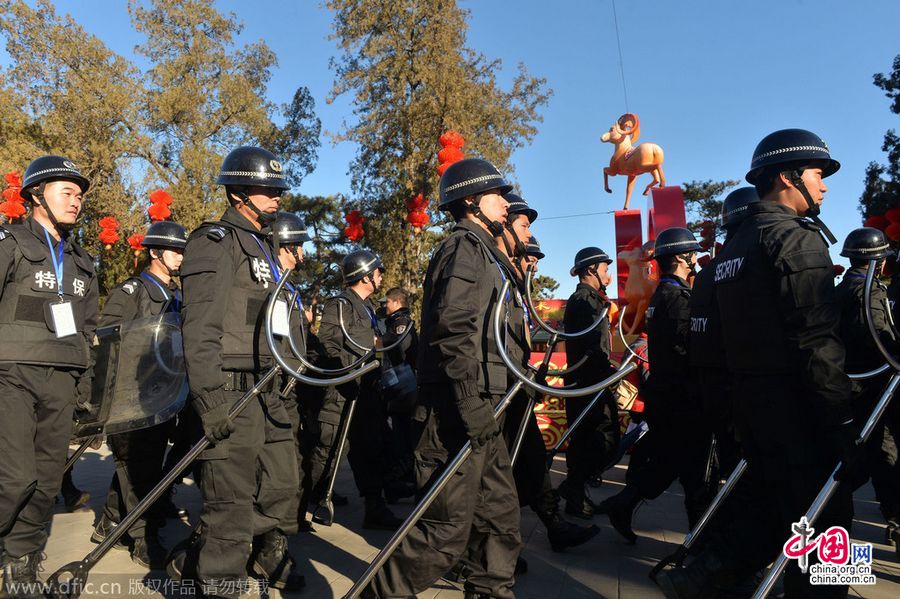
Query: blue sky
{"x": 708, "y": 79}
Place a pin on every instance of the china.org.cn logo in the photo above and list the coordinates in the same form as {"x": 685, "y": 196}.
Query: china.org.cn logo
{"x": 840, "y": 561}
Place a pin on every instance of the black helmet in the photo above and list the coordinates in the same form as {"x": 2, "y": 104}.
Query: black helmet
{"x": 791, "y": 146}
{"x": 587, "y": 257}
{"x": 734, "y": 208}
{"x": 249, "y": 165}
{"x": 289, "y": 229}
{"x": 470, "y": 176}
{"x": 533, "y": 248}
{"x": 674, "y": 241}
{"x": 519, "y": 206}
{"x": 866, "y": 243}
{"x": 165, "y": 235}
{"x": 357, "y": 265}
{"x": 51, "y": 168}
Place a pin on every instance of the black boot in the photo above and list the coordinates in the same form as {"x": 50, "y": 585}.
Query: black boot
{"x": 397, "y": 490}
{"x": 561, "y": 533}
{"x": 578, "y": 503}
{"x": 274, "y": 562}
{"x": 104, "y": 528}
{"x": 166, "y": 507}
{"x": 73, "y": 497}
{"x": 620, "y": 509}
{"x": 20, "y": 576}
{"x": 697, "y": 579}
{"x": 148, "y": 552}
{"x": 378, "y": 516}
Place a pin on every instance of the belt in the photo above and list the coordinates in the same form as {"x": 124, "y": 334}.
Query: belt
{"x": 244, "y": 381}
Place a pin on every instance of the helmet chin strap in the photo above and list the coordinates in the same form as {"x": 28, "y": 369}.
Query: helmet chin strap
{"x": 160, "y": 255}
{"x": 61, "y": 229}
{"x": 297, "y": 261}
{"x": 515, "y": 251}
{"x": 264, "y": 218}
{"x": 371, "y": 278}
{"x": 812, "y": 212}
{"x": 494, "y": 227}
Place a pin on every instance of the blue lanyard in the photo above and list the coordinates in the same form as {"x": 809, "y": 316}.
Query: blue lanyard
{"x": 165, "y": 292}
{"x": 502, "y": 277}
{"x": 855, "y": 276}
{"x": 374, "y": 320}
{"x": 276, "y": 272}
{"x": 58, "y": 264}
{"x": 675, "y": 282}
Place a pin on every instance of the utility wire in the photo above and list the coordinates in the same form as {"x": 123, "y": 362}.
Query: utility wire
{"x": 619, "y": 44}
{"x": 543, "y": 218}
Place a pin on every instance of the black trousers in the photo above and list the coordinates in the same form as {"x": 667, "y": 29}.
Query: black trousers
{"x": 476, "y": 515}
{"x": 140, "y": 456}
{"x": 881, "y": 449}
{"x": 532, "y": 477}
{"x": 788, "y": 466}
{"x": 594, "y": 442}
{"x": 36, "y": 403}
{"x": 249, "y": 486}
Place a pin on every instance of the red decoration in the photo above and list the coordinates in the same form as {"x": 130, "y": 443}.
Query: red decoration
{"x": 893, "y": 231}
{"x": 136, "y": 242}
{"x": 452, "y": 144}
{"x": 354, "y": 231}
{"x": 417, "y": 217}
{"x": 878, "y": 221}
{"x": 893, "y": 214}
{"x": 13, "y": 206}
{"x": 160, "y": 201}
{"x": 838, "y": 270}
{"x": 109, "y": 231}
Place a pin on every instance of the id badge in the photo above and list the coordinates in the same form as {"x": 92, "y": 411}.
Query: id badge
{"x": 63, "y": 318}
{"x": 280, "y": 324}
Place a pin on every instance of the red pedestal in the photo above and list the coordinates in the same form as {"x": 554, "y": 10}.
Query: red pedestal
{"x": 665, "y": 209}
{"x": 628, "y": 236}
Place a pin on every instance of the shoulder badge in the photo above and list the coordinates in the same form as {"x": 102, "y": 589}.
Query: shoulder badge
{"x": 216, "y": 233}
{"x": 130, "y": 287}
{"x": 400, "y": 329}
{"x": 4, "y": 234}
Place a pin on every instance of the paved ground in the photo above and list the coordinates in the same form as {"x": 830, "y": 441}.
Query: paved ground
{"x": 333, "y": 557}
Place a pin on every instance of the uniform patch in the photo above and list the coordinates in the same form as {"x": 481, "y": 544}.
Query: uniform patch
{"x": 3, "y": 233}
{"x": 130, "y": 287}
{"x": 698, "y": 325}
{"x": 44, "y": 280}
{"x": 729, "y": 269}
{"x": 650, "y": 311}
{"x": 261, "y": 271}
{"x": 217, "y": 233}
{"x": 400, "y": 329}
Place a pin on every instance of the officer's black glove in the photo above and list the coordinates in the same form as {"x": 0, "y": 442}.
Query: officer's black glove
{"x": 217, "y": 426}
{"x": 842, "y": 439}
{"x": 478, "y": 418}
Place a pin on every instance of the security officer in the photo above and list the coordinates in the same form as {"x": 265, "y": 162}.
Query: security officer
{"x": 399, "y": 390}
{"x": 289, "y": 233}
{"x": 775, "y": 288}
{"x": 248, "y": 476}
{"x": 676, "y": 447}
{"x": 519, "y": 218}
{"x": 591, "y": 445}
{"x": 353, "y": 311}
{"x": 461, "y": 377}
{"x": 533, "y": 252}
{"x": 48, "y": 314}
{"x": 710, "y": 380}
{"x": 140, "y": 454}
{"x": 861, "y": 246}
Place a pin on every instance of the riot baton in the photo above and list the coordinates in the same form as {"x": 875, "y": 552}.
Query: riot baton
{"x": 622, "y": 337}
{"x": 831, "y": 486}
{"x": 452, "y": 467}
{"x": 78, "y": 452}
{"x": 529, "y": 402}
{"x": 547, "y": 328}
{"x": 326, "y": 502}
{"x": 677, "y": 558}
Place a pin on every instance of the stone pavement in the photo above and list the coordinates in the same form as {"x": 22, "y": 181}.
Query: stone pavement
{"x": 332, "y": 557}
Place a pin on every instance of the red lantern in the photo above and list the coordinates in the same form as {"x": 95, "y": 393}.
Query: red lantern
{"x": 838, "y": 270}
{"x": 893, "y": 214}
{"x": 354, "y": 231}
{"x": 452, "y": 144}
{"x": 109, "y": 232}
{"x": 893, "y": 232}
{"x": 160, "y": 201}
{"x": 879, "y": 221}
{"x": 13, "y": 206}
{"x": 136, "y": 242}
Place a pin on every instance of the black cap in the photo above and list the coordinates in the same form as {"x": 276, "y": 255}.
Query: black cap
{"x": 519, "y": 206}
{"x": 357, "y": 265}
{"x": 52, "y": 168}
{"x": 165, "y": 235}
{"x": 674, "y": 241}
{"x": 866, "y": 243}
{"x": 289, "y": 229}
{"x": 470, "y": 176}
{"x": 587, "y": 257}
{"x": 252, "y": 166}
{"x": 791, "y": 146}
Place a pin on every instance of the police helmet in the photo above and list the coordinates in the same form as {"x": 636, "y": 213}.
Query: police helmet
{"x": 519, "y": 206}
{"x": 533, "y": 248}
{"x": 51, "y": 168}
{"x": 359, "y": 264}
{"x": 866, "y": 243}
{"x": 252, "y": 166}
{"x": 470, "y": 176}
{"x": 674, "y": 241}
{"x": 588, "y": 257}
{"x": 165, "y": 235}
{"x": 289, "y": 229}
{"x": 734, "y": 208}
{"x": 790, "y": 146}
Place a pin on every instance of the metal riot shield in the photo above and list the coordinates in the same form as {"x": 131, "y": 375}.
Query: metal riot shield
{"x": 139, "y": 374}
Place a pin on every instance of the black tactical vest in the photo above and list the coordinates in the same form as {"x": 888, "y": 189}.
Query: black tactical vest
{"x": 705, "y": 346}
{"x": 666, "y": 334}
{"x": 26, "y": 327}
